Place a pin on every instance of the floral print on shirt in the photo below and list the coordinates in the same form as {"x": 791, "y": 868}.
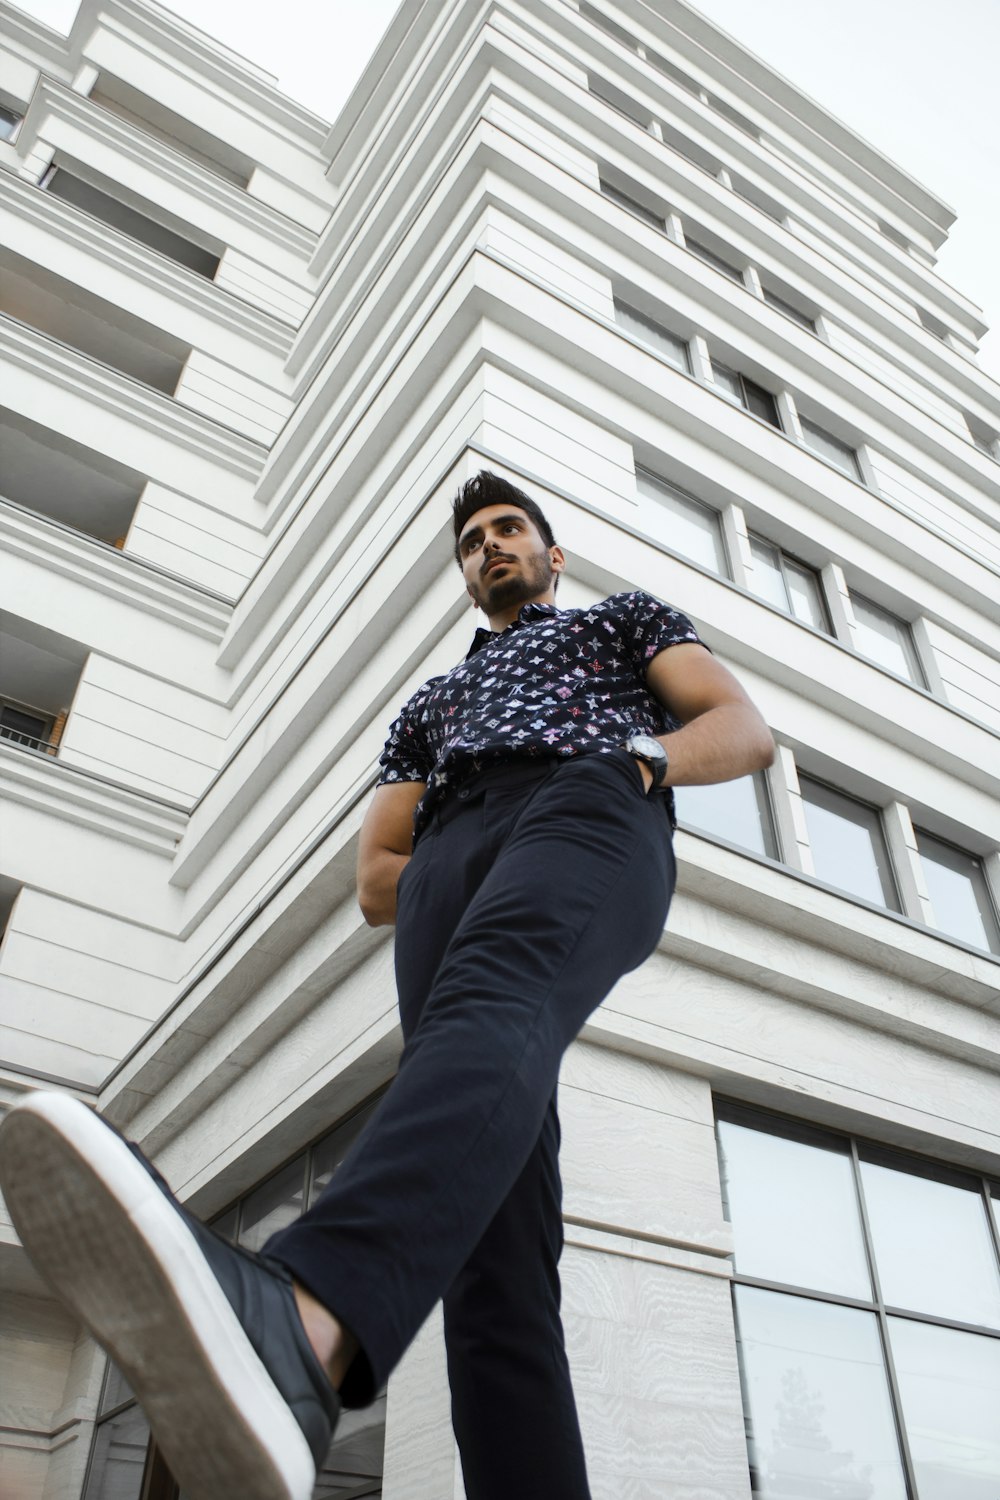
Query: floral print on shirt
{"x": 556, "y": 682}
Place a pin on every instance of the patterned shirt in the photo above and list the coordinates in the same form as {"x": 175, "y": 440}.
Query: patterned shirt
{"x": 556, "y": 682}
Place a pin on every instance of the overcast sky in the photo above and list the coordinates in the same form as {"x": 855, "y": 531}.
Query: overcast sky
{"x": 916, "y": 78}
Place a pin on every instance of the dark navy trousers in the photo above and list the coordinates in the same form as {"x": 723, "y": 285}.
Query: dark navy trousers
{"x": 533, "y": 890}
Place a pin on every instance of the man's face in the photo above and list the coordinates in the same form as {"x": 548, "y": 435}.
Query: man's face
{"x": 504, "y": 558}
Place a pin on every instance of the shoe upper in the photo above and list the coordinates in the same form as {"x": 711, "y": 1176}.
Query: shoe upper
{"x": 260, "y": 1292}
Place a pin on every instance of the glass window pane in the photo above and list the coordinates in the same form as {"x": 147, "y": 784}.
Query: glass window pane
{"x": 832, "y": 449}
{"x": 687, "y": 526}
{"x": 735, "y": 810}
{"x": 959, "y": 894}
{"x": 274, "y": 1205}
{"x": 760, "y": 402}
{"x": 794, "y": 1211}
{"x": 116, "y": 1389}
{"x": 949, "y": 1384}
{"x": 715, "y": 261}
{"x": 728, "y": 381}
{"x": 328, "y": 1153}
{"x": 624, "y": 200}
{"x": 885, "y": 638}
{"x": 353, "y": 1466}
{"x": 819, "y": 1419}
{"x": 806, "y": 594}
{"x": 933, "y": 1248}
{"x": 766, "y": 578}
{"x": 119, "y": 1457}
{"x": 803, "y": 319}
{"x": 847, "y": 845}
{"x": 673, "y": 349}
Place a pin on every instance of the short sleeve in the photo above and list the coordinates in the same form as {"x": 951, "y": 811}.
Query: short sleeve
{"x": 651, "y": 626}
{"x": 406, "y": 756}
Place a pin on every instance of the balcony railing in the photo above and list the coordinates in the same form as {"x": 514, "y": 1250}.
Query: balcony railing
{"x": 27, "y": 741}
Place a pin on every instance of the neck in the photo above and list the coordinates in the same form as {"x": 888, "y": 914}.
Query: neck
{"x": 505, "y": 617}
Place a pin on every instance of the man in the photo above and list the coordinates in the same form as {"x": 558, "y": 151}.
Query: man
{"x": 520, "y": 840}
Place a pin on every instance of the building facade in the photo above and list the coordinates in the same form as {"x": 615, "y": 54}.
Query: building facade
{"x": 248, "y": 357}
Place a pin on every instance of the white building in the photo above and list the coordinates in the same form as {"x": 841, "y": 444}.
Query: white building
{"x": 248, "y": 357}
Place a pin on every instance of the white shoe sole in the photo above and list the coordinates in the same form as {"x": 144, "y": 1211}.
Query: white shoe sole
{"x": 113, "y": 1248}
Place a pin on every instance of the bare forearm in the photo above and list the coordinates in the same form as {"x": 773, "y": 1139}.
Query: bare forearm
{"x": 377, "y": 887}
{"x": 719, "y": 745}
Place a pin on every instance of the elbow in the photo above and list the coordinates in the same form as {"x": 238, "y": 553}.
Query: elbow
{"x": 372, "y": 909}
{"x": 767, "y": 749}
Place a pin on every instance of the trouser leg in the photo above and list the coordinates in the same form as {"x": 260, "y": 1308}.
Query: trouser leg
{"x": 576, "y": 896}
{"x": 512, "y": 1399}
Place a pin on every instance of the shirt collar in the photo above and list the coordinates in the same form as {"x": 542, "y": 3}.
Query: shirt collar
{"x": 527, "y": 615}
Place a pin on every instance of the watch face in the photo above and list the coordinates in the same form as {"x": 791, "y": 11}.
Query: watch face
{"x": 645, "y": 744}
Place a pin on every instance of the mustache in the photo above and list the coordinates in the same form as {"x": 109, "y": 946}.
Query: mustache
{"x": 496, "y": 557}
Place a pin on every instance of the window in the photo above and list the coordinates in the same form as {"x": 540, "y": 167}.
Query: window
{"x": 782, "y": 305}
{"x": 885, "y": 638}
{"x": 634, "y": 205}
{"x": 598, "y": 18}
{"x": 753, "y": 194}
{"x": 932, "y": 324}
{"x": 959, "y": 892}
{"x": 894, "y": 235}
{"x": 673, "y": 72}
{"x": 25, "y": 726}
{"x": 669, "y": 345}
{"x": 825, "y": 445}
{"x": 788, "y": 584}
{"x": 733, "y": 116}
{"x": 9, "y": 121}
{"x": 619, "y": 100}
{"x": 690, "y": 528}
{"x": 124, "y": 1466}
{"x": 138, "y": 226}
{"x": 902, "y": 1262}
{"x": 847, "y": 843}
{"x": 984, "y": 437}
{"x": 746, "y": 393}
{"x": 737, "y": 811}
{"x": 711, "y": 258}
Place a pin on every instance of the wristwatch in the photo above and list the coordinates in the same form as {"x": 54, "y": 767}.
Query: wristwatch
{"x": 649, "y": 750}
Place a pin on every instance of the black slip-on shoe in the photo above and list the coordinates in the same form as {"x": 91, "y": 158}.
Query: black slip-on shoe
{"x": 207, "y": 1335}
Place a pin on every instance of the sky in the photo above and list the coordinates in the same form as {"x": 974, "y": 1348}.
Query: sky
{"x": 915, "y": 78}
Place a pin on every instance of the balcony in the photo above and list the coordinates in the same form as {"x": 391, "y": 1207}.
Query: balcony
{"x": 65, "y": 482}
{"x": 39, "y": 673}
{"x": 96, "y": 328}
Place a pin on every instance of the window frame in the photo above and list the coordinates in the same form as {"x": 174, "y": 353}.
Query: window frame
{"x": 916, "y": 676}
{"x": 852, "y": 470}
{"x": 621, "y": 304}
{"x": 858, "y": 1148}
{"x": 894, "y": 903}
{"x": 746, "y": 384}
{"x": 992, "y": 921}
{"x": 717, "y": 261}
{"x": 666, "y": 491}
{"x": 814, "y": 573}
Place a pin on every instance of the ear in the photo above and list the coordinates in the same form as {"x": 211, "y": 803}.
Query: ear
{"x": 557, "y": 558}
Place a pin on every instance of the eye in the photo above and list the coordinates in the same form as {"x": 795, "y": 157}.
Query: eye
{"x": 512, "y": 526}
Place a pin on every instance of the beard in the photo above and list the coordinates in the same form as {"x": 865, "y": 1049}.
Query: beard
{"x": 532, "y": 577}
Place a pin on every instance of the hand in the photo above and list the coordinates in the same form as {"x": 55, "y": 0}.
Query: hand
{"x": 645, "y": 773}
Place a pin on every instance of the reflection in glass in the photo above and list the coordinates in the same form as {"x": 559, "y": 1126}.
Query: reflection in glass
{"x": 829, "y": 447}
{"x": 353, "y": 1466}
{"x": 119, "y": 1457}
{"x": 688, "y": 527}
{"x": 274, "y": 1205}
{"x": 672, "y": 348}
{"x": 788, "y": 584}
{"x": 885, "y": 639}
{"x": 847, "y": 845}
{"x": 330, "y": 1151}
{"x": 960, "y": 897}
{"x": 735, "y": 810}
{"x": 819, "y": 1420}
{"x": 949, "y": 1384}
{"x": 933, "y": 1249}
{"x": 794, "y": 1211}
{"x": 116, "y": 1389}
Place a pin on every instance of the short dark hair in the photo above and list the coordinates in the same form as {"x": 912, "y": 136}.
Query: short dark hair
{"x": 487, "y": 488}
